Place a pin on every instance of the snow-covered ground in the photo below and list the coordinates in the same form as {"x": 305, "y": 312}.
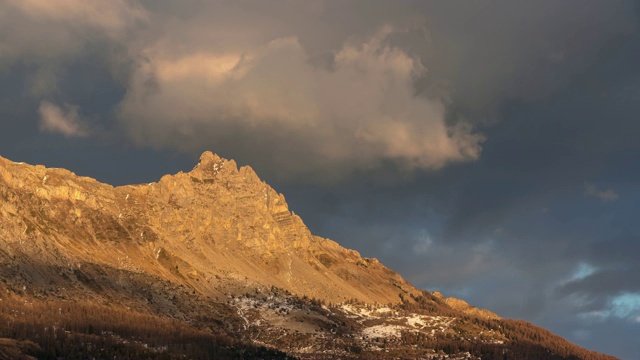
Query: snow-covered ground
{"x": 383, "y": 331}
{"x": 369, "y": 313}
{"x": 273, "y": 316}
{"x": 412, "y": 322}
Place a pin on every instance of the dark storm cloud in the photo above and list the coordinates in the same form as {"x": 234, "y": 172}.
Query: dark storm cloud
{"x": 496, "y": 51}
{"x": 608, "y": 283}
{"x": 509, "y": 231}
{"x": 536, "y": 169}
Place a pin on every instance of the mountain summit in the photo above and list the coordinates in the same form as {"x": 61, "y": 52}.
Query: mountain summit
{"x": 211, "y": 229}
{"x": 216, "y": 255}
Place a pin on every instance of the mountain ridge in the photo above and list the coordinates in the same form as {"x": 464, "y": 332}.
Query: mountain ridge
{"x": 213, "y": 243}
{"x": 237, "y": 192}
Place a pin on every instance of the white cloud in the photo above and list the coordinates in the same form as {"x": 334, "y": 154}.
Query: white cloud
{"x": 67, "y": 122}
{"x": 353, "y": 114}
{"x": 603, "y": 195}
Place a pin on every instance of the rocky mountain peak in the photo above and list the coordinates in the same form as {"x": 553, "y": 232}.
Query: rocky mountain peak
{"x": 214, "y": 250}
{"x": 210, "y": 165}
{"x": 207, "y": 158}
{"x": 216, "y": 221}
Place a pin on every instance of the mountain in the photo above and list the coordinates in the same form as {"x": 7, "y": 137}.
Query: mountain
{"x": 213, "y": 264}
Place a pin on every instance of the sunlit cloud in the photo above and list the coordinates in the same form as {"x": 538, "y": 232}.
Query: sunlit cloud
{"x": 360, "y": 111}
{"x": 65, "y": 121}
{"x": 108, "y": 16}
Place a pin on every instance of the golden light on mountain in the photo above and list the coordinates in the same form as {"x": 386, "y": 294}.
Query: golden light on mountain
{"x": 213, "y": 254}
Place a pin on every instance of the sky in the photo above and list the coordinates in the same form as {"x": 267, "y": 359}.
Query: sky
{"x": 484, "y": 149}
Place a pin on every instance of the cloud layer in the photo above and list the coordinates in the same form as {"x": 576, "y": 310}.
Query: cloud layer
{"x": 304, "y": 86}
{"x": 45, "y": 35}
{"x": 356, "y": 111}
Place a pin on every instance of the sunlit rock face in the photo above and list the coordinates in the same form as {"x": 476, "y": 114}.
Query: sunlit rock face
{"x": 215, "y": 229}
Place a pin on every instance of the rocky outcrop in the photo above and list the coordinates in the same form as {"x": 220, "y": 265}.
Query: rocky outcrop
{"x": 464, "y": 307}
{"x": 216, "y": 229}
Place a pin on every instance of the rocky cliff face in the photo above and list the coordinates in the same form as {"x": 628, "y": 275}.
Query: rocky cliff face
{"x": 215, "y": 229}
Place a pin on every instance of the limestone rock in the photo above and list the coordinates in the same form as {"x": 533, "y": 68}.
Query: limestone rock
{"x": 214, "y": 229}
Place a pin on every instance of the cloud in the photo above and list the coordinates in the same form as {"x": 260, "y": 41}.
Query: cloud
{"x": 110, "y": 17}
{"x": 626, "y": 306}
{"x": 501, "y": 54}
{"x": 357, "y": 112}
{"x": 303, "y": 87}
{"x": 65, "y": 121}
{"x": 45, "y": 35}
{"x": 603, "y": 283}
{"x": 423, "y": 243}
{"x": 605, "y": 196}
